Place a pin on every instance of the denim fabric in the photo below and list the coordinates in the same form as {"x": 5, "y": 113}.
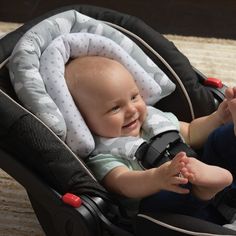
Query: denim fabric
{"x": 167, "y": 201}
{"x": 220, "y": 148}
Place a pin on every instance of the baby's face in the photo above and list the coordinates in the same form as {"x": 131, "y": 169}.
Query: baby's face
{"x": 113, "y": 106}
{"x": 120, "y": 112}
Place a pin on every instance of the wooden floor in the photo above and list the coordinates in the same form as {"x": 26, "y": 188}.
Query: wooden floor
{"x": 208, "y": 18}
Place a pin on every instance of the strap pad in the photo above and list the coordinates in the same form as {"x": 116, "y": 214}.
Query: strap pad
{"x": 161, "y": 149}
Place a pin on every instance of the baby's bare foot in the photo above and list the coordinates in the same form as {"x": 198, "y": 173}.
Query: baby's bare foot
{"x": 207, "y": 180}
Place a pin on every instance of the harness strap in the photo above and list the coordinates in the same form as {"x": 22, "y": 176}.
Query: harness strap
{"x": 162, "y": 148}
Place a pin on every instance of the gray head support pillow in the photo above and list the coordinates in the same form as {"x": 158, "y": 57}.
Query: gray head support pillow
{"x": 40, "y": 83}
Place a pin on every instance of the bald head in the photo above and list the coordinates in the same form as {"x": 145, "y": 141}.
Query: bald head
{"x": 99, "y": 86}
{"x": 87, "y": 74}
{"x": 89, "y": 70}
{"x": 90, "y": 77}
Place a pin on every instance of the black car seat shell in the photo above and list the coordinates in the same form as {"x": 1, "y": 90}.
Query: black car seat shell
{"x": 47, "y": 168}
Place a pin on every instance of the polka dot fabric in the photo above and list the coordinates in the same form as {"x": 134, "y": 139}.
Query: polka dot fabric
{"x": 24, "y": 66}
{"x": 52, "y": 68}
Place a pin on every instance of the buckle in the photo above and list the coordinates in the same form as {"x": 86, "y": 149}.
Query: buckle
{"x": 167, "y": 153}
{"x": 157, "y": 151}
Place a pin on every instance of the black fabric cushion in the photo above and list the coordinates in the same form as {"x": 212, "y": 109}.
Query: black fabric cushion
{"x": 28, "y": 140}
{"x": 31, "y": 143}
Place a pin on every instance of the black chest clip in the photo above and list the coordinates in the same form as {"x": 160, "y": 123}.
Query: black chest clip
{"x": 162, "y": 148}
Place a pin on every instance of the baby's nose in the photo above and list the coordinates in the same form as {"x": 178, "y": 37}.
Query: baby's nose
{"x": 131, "y": 109}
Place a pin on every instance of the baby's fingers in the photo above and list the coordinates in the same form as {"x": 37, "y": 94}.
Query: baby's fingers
{"x": 180, "y": 190}
{"x": 187, "y": 174}
{"x": 180, "y": 180}
{"x": 178, "y": 163}
{"x": 179, "y": 156}
{"x": 229, "y": 93}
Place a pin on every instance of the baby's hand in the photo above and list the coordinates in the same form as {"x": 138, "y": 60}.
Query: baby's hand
{"x": 185, "y": 172}
{"x": 226, "y": 109}
{"x": 230, "y": 93}
{"x": 224, "y": 113}
{"x": 170, "y": 174}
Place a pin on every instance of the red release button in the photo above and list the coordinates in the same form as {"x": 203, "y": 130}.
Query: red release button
{"x": 213, "y": 82}
{"x": 72, "y": 200}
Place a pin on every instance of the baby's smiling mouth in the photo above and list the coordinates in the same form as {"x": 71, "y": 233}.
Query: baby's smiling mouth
{"x": 129, "y": 124}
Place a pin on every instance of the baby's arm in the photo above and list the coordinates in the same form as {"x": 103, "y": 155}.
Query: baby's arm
{"x": 196, "y": 132}
{"x": 138, "y": 184}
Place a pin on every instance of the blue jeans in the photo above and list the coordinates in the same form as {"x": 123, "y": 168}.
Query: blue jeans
{"x": 166, "y": 201}
{"x": 220, "y": 150}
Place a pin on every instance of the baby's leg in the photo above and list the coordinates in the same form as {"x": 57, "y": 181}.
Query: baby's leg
{"x": 207, "y": 180}
{"x": 230, "y": 94}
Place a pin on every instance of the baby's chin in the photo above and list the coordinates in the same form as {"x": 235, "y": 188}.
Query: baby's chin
{"x": 133, "y": 134}
{"x": 133, "y": 131}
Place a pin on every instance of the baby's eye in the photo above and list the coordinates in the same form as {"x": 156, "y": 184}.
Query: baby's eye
{"x": 115, "y": 109}
{"x": 133, "y": 98}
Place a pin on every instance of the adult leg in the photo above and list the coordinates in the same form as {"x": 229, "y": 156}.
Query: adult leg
{"x": 220, "y": 148}
{"x": 165, "y": 201}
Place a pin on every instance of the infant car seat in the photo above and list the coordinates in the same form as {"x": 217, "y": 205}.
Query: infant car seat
{"x": 64, "y": 194}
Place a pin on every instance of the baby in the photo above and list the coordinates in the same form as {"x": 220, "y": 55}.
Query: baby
{"x": 109, "y": 100}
